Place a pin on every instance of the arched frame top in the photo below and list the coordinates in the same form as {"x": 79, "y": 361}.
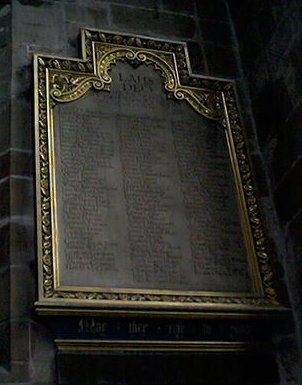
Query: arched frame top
{"x": 60, "y": 80}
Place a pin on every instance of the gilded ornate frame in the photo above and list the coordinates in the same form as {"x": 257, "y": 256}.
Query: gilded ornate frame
{"x": 59, "y": 80}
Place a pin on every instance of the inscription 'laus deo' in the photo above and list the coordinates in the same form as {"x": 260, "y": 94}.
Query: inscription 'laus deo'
{"x": 147, "y": 201}
{"x": 135, "y": 83}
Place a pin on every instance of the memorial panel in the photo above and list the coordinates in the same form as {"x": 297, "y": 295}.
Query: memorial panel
{"x": 149, "y": 230}
{"x": 145, "y": 197}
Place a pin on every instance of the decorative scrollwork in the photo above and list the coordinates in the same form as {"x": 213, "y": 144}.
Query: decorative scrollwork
{"x": 67, "y": 86}
{"x": 204, "y": 101}
{"x": 109, "y": 55}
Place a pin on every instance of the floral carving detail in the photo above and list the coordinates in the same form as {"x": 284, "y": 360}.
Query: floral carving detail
{"x": 205, "y": 101}
{"x": 162, "y": 298}
{"x": 65, "y": 87}
{"x": 108, "y": 55}
{"x": 250, "y": 194}
{"x": 44, "y": 182}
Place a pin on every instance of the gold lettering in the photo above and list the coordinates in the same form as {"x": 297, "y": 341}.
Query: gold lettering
{"x": 91, "y": 326}
{"x": 138, "y": 328}
{"x": 176, "y": 330}
{"x": 240, "y": 330}
{"x": 206, "y": 329}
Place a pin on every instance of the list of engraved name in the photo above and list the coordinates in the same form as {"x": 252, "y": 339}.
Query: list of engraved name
{"x": 145, "y": 200}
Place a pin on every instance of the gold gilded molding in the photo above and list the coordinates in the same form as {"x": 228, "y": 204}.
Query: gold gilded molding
{"x": 206, "y": 102}
{"x": 66, "y": 87}
{"x": 60, "y": 80}
{"x": 159, "y": 346}
{"x": 233, "y": 121}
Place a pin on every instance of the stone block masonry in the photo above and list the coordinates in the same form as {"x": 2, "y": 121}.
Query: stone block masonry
{"x": 27, "y": 354}
{"x": 271, "y": 64}
{"x": 5, "y": 79}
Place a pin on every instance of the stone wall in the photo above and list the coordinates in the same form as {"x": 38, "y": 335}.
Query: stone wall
{"x": 5, "y": 81}
{"x": 270, "y": 40}
{"x": 52, "y": 26}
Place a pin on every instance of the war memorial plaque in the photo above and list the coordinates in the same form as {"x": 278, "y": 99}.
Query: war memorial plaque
{"x": 145, "y": 194}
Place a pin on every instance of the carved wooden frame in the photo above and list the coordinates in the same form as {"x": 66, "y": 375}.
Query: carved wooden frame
{"x": 59, "y": 80}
